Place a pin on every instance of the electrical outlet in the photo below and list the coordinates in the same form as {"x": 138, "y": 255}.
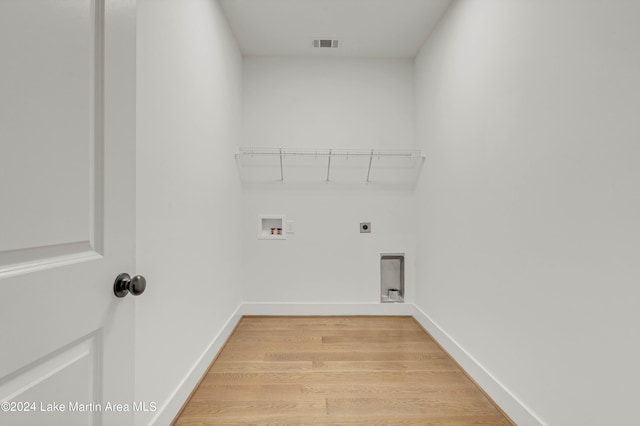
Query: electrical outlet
{"x": 365, "y": 227}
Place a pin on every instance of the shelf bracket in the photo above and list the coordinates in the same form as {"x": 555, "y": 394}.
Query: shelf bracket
{"x": 370, "y": 161}
{"x": 329, "y": 166}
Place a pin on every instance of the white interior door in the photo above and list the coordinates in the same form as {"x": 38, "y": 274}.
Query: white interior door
{"x": 67, "y": 211}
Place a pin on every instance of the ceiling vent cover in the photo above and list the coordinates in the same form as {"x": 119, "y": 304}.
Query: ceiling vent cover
{"x": 326, "y": 43}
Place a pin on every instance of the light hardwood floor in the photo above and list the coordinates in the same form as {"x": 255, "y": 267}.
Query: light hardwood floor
{"x": 336, "y": 371}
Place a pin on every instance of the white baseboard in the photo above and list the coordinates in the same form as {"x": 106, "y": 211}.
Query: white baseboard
{"x": 511, "y": 405}
{"x": 327, "y": 309}
{"x": 168, "y": 411}
{"x": 518, "y": 412}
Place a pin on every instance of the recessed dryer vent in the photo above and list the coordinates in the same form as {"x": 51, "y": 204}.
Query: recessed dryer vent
{"x": 392, "y": 277}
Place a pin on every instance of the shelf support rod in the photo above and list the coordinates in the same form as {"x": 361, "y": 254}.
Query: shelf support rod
{"x": 370, "y": 161}
{"x": 329, "y": 166}
{"x": 281, "y": 168}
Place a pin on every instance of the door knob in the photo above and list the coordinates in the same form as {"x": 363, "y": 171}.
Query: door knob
{"x": 124, "y": 284}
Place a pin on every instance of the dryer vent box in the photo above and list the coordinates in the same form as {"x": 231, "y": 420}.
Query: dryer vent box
{"x": 392, "y": 277}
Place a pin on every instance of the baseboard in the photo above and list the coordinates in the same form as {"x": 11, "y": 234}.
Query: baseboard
{"x": 514, "y": 408}
{"x": 168, "y": 411}
{"x": 327, "y": 309}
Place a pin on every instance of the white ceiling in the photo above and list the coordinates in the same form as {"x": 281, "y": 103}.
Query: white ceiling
{"x": 365, "y": 28}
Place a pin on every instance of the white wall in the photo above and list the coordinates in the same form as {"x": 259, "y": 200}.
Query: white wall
{"x": 529, "y": 202}
{"x": 188, "y": 191}
{"x": 326, "y": 103}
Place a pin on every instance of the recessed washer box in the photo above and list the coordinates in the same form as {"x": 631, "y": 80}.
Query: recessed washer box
{"x": 272, "y": 227}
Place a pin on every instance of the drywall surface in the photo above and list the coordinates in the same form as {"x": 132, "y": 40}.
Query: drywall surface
{"x": 188, "y": 191}
{"x": 328, "y": 102}
{"x": 309, "y": 103}
{"x": 529, "y": 203}
{"x": 327, "y": 260}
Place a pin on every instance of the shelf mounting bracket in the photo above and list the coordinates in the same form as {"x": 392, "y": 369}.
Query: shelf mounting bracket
{"x": 370, "y": 161}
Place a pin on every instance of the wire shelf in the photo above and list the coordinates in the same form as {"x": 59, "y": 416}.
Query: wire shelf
{"x": 354, "y": 166}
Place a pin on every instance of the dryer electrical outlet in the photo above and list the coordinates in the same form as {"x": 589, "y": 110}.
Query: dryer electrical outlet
{"x": 365, "y": 227}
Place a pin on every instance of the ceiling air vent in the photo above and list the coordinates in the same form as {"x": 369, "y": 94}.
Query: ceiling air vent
{"x": 325, "y": 43}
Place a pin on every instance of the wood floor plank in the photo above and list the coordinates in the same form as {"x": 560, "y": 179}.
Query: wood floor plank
{"x": 261, "y": 367}
{"x": 434, "y": 353}
{"x": 390, "y": 390}
{"x": 255, "y": 408}
{"x": 297, "y": 338}
{"x": 374, "y": 337}
{"x": 351, "y": 332}
{"x": 336, "y": 371}
{"x": 209, "y": 392}
{"x": 442, "y": 378}
{"x": 384, "y": 366}
{"x": 335, "y": 347}
{"x": 421, "y": 420}
{"x": 435, "y": 405}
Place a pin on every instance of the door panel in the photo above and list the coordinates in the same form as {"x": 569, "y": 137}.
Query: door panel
{"x": 67, "y": 215}
{"x": 71, "y": 374}
{"x": 49, "y": 51}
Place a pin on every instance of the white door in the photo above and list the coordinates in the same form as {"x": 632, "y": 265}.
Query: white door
{"x": 67, "y": 215}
